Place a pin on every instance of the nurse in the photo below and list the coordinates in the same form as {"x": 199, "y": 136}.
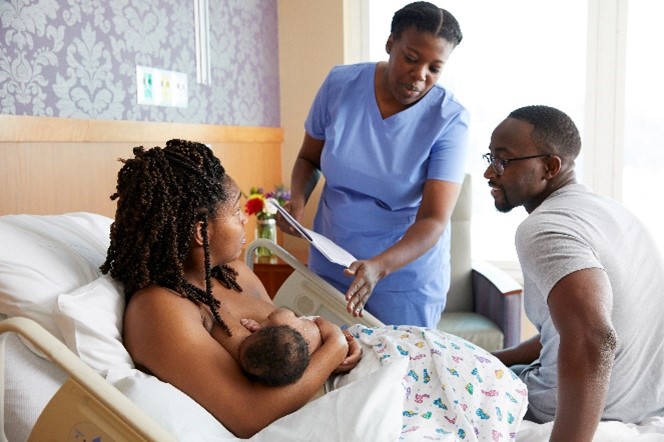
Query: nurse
{"x": 391, "y": 144}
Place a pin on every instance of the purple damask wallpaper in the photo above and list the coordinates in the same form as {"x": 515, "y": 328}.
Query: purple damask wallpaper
{"x": 77, "y": 59}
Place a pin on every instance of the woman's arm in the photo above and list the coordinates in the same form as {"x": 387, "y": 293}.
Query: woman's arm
{"x": 304, "y": 177}
{"x": 438, "y": 201}
{"x": 164, "y": 333}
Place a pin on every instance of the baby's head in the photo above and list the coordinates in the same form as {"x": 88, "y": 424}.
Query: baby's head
{"x": 279, "y": 349}
{"x": 275, "y": 355}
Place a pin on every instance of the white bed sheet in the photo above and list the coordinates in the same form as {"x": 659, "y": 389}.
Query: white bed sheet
{"x": 650, "y": 431}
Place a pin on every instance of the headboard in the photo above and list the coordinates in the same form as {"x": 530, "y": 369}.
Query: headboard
{"x": 56, "y": 165}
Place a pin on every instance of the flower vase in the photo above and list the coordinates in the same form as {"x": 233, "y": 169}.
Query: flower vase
{"x": 266, "y": 228}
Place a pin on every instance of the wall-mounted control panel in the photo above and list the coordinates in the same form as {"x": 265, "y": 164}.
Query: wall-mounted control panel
{"x": 159, "y": 87}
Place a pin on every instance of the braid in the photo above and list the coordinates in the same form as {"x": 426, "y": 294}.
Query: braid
{"x": 161, "y": 194}
{"x": 226, "y": 275}
{"x": 211, "y": 300}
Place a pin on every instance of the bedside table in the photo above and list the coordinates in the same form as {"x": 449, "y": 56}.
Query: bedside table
{"x": 273, "y": 271}
{"x": 272, "y": 274}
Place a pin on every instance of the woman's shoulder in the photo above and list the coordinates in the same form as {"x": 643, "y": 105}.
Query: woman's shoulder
{"x": 153, "y": 316}
{"x": 159, "y": 302}
{"x": 344, "y": 73}
{"x": 448, "y": 103}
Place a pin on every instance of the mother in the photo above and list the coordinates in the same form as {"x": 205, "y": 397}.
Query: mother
{"x": 175, "y": 243}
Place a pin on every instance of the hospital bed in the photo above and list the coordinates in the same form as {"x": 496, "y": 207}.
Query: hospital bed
{"x": 66, "y": 375}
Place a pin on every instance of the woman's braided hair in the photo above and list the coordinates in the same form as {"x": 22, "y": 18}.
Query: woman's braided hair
{"x": 162, "y": 194}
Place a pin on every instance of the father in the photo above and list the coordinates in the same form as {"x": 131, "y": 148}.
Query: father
{"x": 593, "y": 282}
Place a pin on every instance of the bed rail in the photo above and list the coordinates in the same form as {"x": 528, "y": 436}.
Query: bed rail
{"x": 86, "y": 407}
{"x": 306, "y": 293}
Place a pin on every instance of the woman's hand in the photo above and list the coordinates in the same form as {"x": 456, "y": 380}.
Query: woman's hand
{"x": 333, "y": 339}
{"x": 352, "y": 358}
{"x": 331, "y": 332}
{"x": 367, "y": 274}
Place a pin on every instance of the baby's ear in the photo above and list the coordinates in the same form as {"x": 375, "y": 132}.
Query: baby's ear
{"x": 250, "y": 325}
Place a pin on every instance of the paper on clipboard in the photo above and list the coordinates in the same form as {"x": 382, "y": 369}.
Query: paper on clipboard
{"x": 324, "y": 245}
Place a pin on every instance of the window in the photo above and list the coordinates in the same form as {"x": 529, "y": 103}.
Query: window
{"x": 644, "y": 118}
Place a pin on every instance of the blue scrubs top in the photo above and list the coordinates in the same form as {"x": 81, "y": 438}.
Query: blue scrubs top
{"x": 375, "y": 171}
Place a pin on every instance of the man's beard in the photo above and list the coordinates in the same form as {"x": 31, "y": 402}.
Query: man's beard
{"x": 503, "y": 207}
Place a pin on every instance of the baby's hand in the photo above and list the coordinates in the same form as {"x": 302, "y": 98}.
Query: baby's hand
{"x": 251, "y": 325}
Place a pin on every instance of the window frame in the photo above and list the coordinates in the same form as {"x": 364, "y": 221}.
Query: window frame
{"x": 604, "y": 124}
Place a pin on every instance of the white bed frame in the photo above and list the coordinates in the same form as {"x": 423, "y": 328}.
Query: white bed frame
{"x": 86, "y": 407}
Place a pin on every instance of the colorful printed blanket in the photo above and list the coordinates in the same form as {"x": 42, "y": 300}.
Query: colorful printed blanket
{"x": 452, "y": 389}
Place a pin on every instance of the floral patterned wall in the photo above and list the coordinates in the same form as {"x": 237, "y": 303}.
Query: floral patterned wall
{"x": 77, "y": 59}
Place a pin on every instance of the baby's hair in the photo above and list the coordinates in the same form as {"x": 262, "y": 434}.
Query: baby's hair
{"x": 275, "y": 355}
{"x": 162, "y": 193}
{"x": 427, "y": 17}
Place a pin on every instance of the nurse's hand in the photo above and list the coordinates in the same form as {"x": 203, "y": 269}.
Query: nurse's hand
{"x": 367, "y": 274}
{"x": 297, "y": 211}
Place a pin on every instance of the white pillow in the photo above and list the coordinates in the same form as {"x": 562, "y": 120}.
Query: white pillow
{"x": 367, "y": 409}
{"x": 175, "y": 411}
{"x": 42, "y": 256}
{"x": 90, "y": 321}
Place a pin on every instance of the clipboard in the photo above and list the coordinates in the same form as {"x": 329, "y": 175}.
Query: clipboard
{"x": 328, "y": 248}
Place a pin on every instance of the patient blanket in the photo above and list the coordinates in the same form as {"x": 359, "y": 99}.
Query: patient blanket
{"x": 452, "y": 389}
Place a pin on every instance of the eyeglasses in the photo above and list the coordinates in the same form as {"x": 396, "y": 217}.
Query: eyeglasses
{"x": 498, "y": 164}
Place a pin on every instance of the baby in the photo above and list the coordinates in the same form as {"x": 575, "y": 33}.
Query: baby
{"x": 274, "y": 354}
{"x": 275, "y": 351}
{"x": 278, "y": 350}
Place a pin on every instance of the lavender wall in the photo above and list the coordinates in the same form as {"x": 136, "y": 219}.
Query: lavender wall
{"x": 77, "y": 59}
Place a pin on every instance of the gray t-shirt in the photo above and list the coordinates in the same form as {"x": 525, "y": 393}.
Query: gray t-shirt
{"x": 576, "y": 229}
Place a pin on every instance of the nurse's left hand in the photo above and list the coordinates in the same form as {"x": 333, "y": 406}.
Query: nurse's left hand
{"x": 367, "y": 274}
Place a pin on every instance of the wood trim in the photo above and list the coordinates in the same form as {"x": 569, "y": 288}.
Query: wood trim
{"x": 21, "y": 129}
{"x": 55, "y": 165}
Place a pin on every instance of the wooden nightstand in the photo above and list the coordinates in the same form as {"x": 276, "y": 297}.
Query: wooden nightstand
{"x": 272, "y": 274}
{"x": 272, "y": 271}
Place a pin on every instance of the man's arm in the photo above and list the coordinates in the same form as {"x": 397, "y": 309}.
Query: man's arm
{"x": 581, "y": 305}
{"x": 524, "y": 353}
